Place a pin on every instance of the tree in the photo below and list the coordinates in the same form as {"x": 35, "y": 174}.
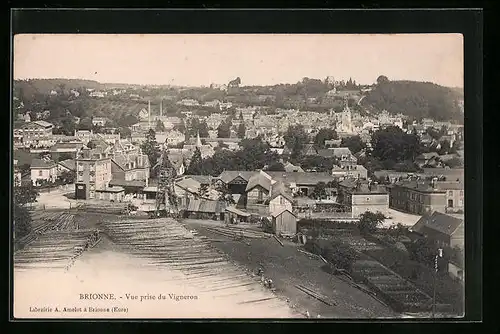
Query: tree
{"x": 341, "y": 255}
{"x": 276, "y": 167}
{"x": 21, "y": 224}
{"x": 25, "y": 194}
{"x": 323, "y": 135}
{"x": 224, "y": 130}
{"x": 160, "y": 127}
{"x": 369, "y": 221}
{"x": 125, "y": 132}
{"x": 423, "y": 250}
{"x": 150, "y": 148}
{"x": 382, "y": 80}
{"x": 319, "y": 191}
{"x": 91, "y": 144}
{"x": 393, "y": 145}
{"x": 295, "y": 139}
{"x": 67, "y": 177}
{"x": 242, "y": 130}
{"x": 455, "y": 162}
{"x": 224, "y": 194}
{"x": 354, "y": 143}
{"x": 195, "y": 166}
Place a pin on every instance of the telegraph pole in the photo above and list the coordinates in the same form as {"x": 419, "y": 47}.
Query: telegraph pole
{"x": 438, "y": 255}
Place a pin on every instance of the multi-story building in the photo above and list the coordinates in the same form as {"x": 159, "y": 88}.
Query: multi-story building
{"x": 454, "y": 195}
{"x": 99, "y": 121}
{"x": 130, "y": 167}
{"x": 34, "y": 132}
{"x": 84, "y": 135}
{"x": 93, "y": 172}
{"x": 417, "y": 197}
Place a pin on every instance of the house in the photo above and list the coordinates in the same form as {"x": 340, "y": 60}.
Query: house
{"x": 84, "y": 135}
{"x": 66, "y": 147}
{"x": 301, "y": 183}
{"x": 236, "y": 181}
{"x": 363, "y": 196}
{"x": 342, "y": 154}
{"x": 93, "y": 172}
{"x": 178, "y": 162}
{"x": 330, "y": 143}
{"x": 99, "y": 121}
{"x": 280, "y": 198}
{"x": 130, "y": 167}
{"x": 43, "y": 171}
{"x": 445, "y": 230}
{"x": 110, "y": 138}
{"x": 450, "y": 174}
{"x": 27, "y": 117}
{"x": 417, "y": 197}
{"x": 356, "y": 172}
{"x": 174, "y": 137}
{"x": 188, "y": 102}
{"x": 143, "y": 114}
{"x": 284, "y": 223}
{"x": 454, "y": 194}
{"x": 310, "y": 150}
{"x": 258, "y": 188}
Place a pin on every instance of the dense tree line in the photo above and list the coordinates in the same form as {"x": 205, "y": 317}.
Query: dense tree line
{"x": 254, "y": 154}
{"x": 415, "y": 99}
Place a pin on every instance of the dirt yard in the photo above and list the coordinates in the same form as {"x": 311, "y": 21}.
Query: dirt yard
{"x": 288, "y": 267}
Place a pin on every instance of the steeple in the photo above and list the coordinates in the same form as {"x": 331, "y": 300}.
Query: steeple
{"x": 198, "y": 140}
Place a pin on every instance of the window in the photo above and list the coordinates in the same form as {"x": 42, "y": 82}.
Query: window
{"x": 40, "y": 173}
{"x": 450, "y": 193}
{"x": 461, "y": 192}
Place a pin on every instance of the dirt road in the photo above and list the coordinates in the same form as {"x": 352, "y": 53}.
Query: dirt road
{"x": 287, "y": 267}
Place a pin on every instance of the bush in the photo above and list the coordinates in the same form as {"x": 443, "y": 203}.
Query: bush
{"x": 369, "y": 221}
{"x": 335, "y": 252}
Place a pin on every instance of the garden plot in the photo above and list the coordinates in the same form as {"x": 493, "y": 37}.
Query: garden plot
{"x": 171, "y": 247}
{"x": 397, "y": 291}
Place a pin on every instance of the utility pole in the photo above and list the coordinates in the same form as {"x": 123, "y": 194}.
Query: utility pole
{"x": 438, "y": 255}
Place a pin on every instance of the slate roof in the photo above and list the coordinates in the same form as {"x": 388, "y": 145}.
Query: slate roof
{"x": 449, "y": 185}
{"x": 229, "y": 175}
{"x": 43, "y": 123}
{"x": 439, "y": 222}
{"x": 69, "y": 164}
{"x": 279, "y": 188}
{"x": 302, "y": 178}
{"x": 124, "y": 161}
{"x": 202, "y": 179}
{"x": 259, "y": 179}
{"x": 418, "y": 186}
{"x": 39, "y": 163}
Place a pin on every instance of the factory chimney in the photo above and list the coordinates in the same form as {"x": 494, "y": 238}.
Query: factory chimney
{"x": 161, "y": 108}
{"x": 149, "y": 114}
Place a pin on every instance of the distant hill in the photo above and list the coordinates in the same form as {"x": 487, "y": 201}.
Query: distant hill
{"x": 44, "y": 86}
{"x": 416, "y": 100}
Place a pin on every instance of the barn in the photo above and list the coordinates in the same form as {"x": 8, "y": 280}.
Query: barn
{"x": 284, "y": 222}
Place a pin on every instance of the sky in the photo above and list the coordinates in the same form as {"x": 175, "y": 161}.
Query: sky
{"x": 258, "y": 59}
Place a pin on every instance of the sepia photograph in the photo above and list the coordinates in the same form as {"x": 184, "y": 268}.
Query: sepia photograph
{"x": 198, "y": 176}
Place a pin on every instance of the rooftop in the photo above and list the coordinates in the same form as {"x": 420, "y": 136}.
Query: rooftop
{"x": 438, "y": 221}
{"x": 39, "y": 163}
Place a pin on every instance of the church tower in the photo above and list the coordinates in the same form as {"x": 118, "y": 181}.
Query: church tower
{"x": 346, "y": 117}
{"x": 198, "y": 140}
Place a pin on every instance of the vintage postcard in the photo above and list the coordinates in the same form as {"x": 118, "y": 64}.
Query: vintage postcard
{"x": 238, "y": 176}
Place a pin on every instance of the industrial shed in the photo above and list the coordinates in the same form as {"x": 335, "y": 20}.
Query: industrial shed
{"x": 204, "y": 209}
{"x": 284, "y": 223}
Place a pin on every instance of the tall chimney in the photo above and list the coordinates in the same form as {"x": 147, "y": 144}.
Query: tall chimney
{"x": 161, "y": 108}
{"x": 149, "y": 114}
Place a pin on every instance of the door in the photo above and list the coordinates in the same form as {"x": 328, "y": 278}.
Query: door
{"x": 450, "y": 203}
{"x": 80, "y": 191}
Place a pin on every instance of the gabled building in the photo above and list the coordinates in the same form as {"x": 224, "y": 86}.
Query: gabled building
{"x": 34, "y": 132}
{"x": 130, "y": 167}
{"x": 93, "y": 172}
{"x": 43, "y": 170}
{"x": 258, "y": 188}
{"x": 364, "y": 196}
{"x": 445, "y": 230}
